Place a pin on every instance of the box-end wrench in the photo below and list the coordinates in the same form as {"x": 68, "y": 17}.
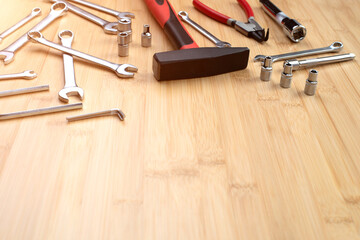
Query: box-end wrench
{"x": 121, "y": 70}
{"x": 334, "y": 47}
{"x": 115, "y": 13}
{"x": 320, "y": 61}
{"x": 28, "y": 75}
{"x": 34, "y": 13}
{"x": 109, "y": 27}
{"x": 185, "y": 17}
{"x": 70, "y": 88}
{"x": 57, "y": 10}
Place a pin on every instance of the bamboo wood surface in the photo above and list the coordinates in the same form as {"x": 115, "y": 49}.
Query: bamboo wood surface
{"x": 225, "y": 157}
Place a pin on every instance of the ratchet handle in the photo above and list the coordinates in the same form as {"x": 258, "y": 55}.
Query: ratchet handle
{"x": 211, "y": 12}
{"x": 169, "y": 21}
{"x": 270, "y": 8}
{"x": 247, "y": 8}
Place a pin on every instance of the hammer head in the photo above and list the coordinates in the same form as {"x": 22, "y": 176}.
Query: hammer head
{"x": 199, "y": 62}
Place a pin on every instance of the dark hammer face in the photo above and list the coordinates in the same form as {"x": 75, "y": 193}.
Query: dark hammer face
{"x": 199, "y": 62}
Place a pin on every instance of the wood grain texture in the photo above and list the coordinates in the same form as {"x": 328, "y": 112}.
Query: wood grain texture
{"x": 225, "y": 157}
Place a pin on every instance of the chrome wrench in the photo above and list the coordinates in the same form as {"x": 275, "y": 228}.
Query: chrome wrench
{"x": 185, "y": 17}
{"x": 117, "y": 14}
{"x": 320, "y": 61}
{"x": 57, "y": 10}
{"x": 334, "y": 47}
{"x": 109, "y": 27}
{"x": 34, "y": 13}
{"x": 70, "y": 88}
{"x": 119, "y": 69}
{"x": 28, "y": 75}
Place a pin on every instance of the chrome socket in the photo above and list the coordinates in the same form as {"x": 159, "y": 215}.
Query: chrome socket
{"x": 266, "y": 69}
{"x": 286, "y": 76}
{"x": 125, "y": 25}
{"x": 311, "y": 83}
{"x": 123, "y": 44}
{"x": 146, "y": 37}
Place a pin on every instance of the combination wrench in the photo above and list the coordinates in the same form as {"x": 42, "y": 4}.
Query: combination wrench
{"x": 28, "y": 75}
{"x": 117, "y": 14}
{"x": 70, "y": 88}
{"x": 109, "y": 27}
{"x": 57, "y": 10}
{"x": 34, "y": 13}
{"x": 119, "y": 69}
{"x": 218, "y": 43}
{"x": 334, "y": 47}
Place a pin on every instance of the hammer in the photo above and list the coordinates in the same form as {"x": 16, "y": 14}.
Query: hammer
{"x": 190, "y": 61}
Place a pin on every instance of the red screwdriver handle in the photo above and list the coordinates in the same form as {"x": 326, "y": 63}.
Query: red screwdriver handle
{"x": 247, "y": 8}
{"x": 210, "y": 12}
{"x": 169, "y": 21}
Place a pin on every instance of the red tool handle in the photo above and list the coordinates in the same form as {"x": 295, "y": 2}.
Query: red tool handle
{"x": 210, "y": 12}
{"x": 169, "y": 21}
{"x": 246, "y": 6}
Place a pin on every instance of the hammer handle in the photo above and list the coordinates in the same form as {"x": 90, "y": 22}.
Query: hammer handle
{"x": 169, "y": 21}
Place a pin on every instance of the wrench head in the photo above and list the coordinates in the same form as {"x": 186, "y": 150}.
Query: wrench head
{"x": 36, "y": 11}
{"x": 126, "y": 71}
{"x": 65, "y": 93}
{"x": 111, "y": 28}
{"x": 259, "y": 58}
{"x": 8, "y": 57}
{"x": 223, "y": 45}
{"x": 125, "y": 15}
{"x": 34, "y": 36}
{"x": 30, "y": 74}
{"x": 66, "y": 36}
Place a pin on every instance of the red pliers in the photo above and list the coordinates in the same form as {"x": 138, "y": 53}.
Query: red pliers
{"x": 251, "y": 29}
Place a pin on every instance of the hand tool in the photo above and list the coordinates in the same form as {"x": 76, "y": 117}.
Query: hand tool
{"x": 334, "y": 47}
{"x": 24, "y": 91}
{"x": 34, "y": 13}
{"x": 57, "y": 10}
{"x": 123, "y": 44}
{"x": 28, "y": 75}
{"x": 292, "y": 28}
{"x": 41, "y": 111}
{"x": 108, "y": 27}
{"x": 146, "y": 37}
{"x": 192, "y": 61}
{"x": 70, "y": 88}
{"x": 251, "y": 29}
{"x": 286, "y": 76}
{"x": 114, "y": 111}
{"x": 125, "y": 25}
{"x": 311, "y": 83}
{"x": 266, "y": 69}
{"x": 218, "y": 43}
{"x": 117, "y": 14}
{"x": 320, "y": 61}
{"x": 121, "y": 70}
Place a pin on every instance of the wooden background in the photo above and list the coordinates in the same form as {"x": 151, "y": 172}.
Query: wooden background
{"x": 226, "y": 157}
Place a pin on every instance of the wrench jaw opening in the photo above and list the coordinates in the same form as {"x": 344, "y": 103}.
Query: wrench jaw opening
{"x": 8, "y": 57}
{"x": 65, "y": 93}
{"x": 126, "y": 71}
{"x": 111, "y": 28}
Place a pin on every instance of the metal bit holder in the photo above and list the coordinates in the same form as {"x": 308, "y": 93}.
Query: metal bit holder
{"x": 146, "y": 37}
{"x": 311, "y": 83}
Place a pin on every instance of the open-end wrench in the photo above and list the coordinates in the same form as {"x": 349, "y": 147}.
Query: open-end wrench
{"x": 109, "y": 27}
{"x": 185, "y": 17}
{"x": 34, "y": 13}
{"x": 57, "y": 10}
{"x": 28, "y": 75}
{"x": 121, "y": 70}
{"x": 70, "y": 88}
{"x": 334, "y": 47}
{"x": 115, "y": 13}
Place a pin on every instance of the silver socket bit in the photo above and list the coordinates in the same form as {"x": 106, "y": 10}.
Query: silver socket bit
{"x": 286, "y": 76}
{"x": 146, "y": 37}
{"x": 125, "y": 25}
{"x": 311, "y": 83}
{"x": 123, "y": 44}
{"x": 266, "y": 69}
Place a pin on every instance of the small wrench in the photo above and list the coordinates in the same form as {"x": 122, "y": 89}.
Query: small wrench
{"x": 320, "y": 61}
{"x": 70, "y": 88}
{"x": 109, "y": 27}
{"x": 119, "y": 69}
{"x": 334, "y": 47}
{"x": 185, "y": 17}
{"x": 57, "y": 10}
{"x": 34, "y": 13}
{"x": 117, "y": 14}
{"x": 28, "y": 75}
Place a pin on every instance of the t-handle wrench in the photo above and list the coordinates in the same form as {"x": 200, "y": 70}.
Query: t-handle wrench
{"x": 117, "y": 14}
{"x": 185, "y": 17}
{"x": 70, "y": 88}
{"x": 34, "y": 13}
{"x": 121, "y": 70}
